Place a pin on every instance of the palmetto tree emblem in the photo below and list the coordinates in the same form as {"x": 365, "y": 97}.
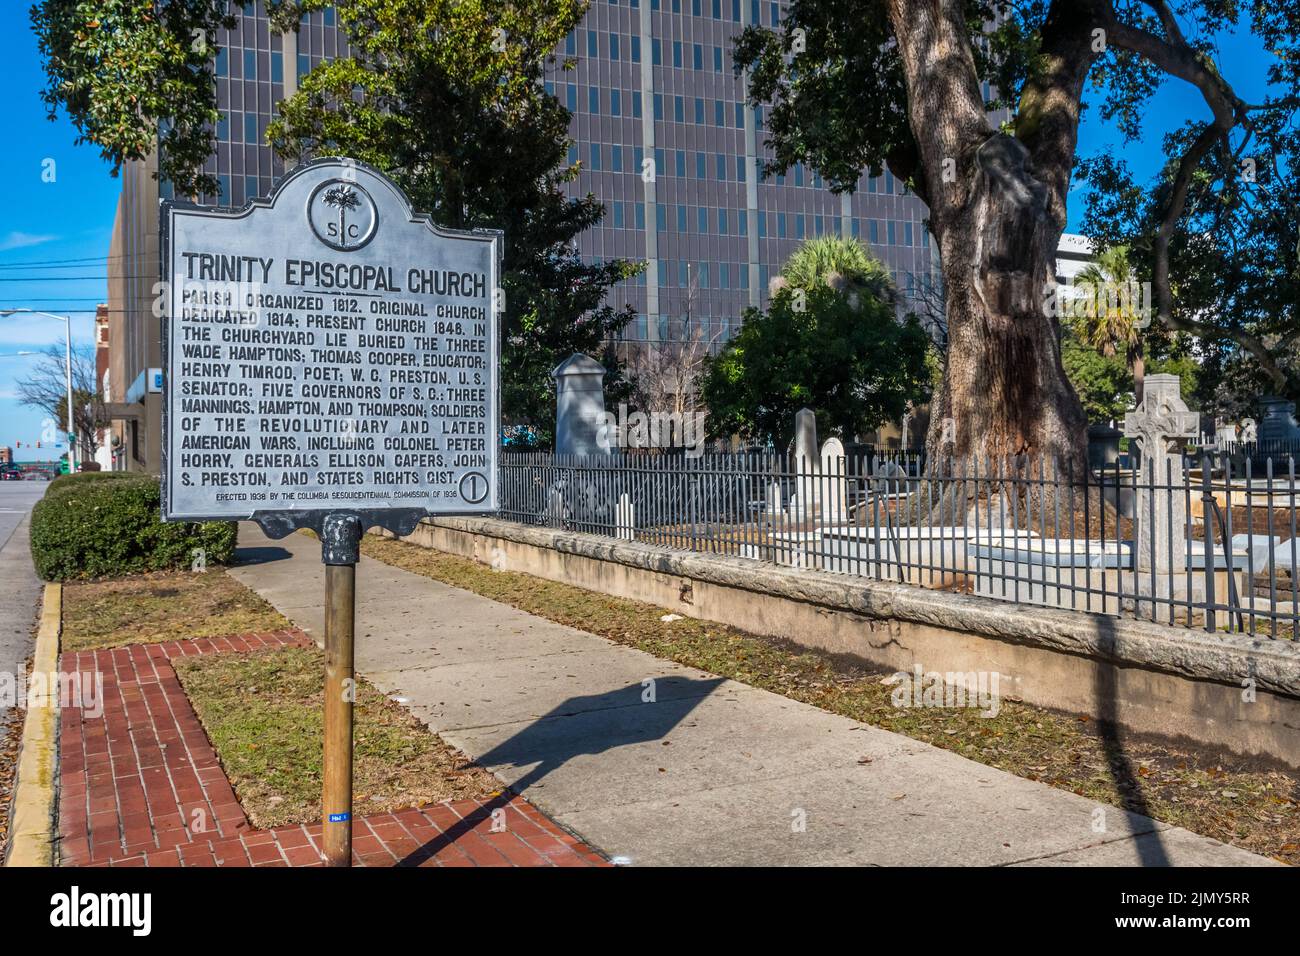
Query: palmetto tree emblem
{"x": 345, "y": 198}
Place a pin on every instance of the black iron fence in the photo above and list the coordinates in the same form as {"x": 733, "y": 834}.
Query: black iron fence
{"x": 1180, "y": 542}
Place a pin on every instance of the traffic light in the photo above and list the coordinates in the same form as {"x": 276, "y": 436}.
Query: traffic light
{"x": 38, "y": 444}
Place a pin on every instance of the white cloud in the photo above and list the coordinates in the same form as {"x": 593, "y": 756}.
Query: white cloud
{"x": 21, "y": 240}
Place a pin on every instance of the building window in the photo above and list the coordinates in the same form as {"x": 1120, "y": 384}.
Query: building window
{"x": 742, "y": 222}
{"x": 679, "y": 109}
{"x": 656, "y": 52}
{"x": 679, "y": 158}
{"x": 697, "y": 56}
{"x": 717, "y": 59}
{"x": 699, "y": 111}
{"x": 613, "y": 46}
{"x": 677, "y": 53}
{"x": 616, "y": 158}
{"x": 615, "y": 102}
{"x": 636, "y": 49}
{"x": 593, "y": 47}
{"x": 593, "y": 99}
{"x": 700, "y": 163}
{"x": 595, "y": 156}
{"x": 722, "y": 221}
{"x": 636, "y": 104}
{"x": 702, "y": 220}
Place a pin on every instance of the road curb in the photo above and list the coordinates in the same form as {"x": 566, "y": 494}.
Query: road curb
{"x": 32, "y": 832}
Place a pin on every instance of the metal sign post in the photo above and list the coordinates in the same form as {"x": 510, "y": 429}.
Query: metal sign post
{"x": 340, "y": 550}
{"x": 331, "y": 363}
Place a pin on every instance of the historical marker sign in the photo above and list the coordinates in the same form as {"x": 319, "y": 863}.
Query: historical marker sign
{"x": 328, "y": 350}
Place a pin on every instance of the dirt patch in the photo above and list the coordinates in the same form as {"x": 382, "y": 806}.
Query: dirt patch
{"x": 1228, "y": 799}
{"x": 263, "y": 714}
{"x": 162, "y": 606}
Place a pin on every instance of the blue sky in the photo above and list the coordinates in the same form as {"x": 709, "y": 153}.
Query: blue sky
{"x": 72, "y": 217}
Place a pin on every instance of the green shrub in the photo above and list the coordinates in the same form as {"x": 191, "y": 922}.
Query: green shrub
{"x": 85, "y": 477}
{"x": 91, "y": 525}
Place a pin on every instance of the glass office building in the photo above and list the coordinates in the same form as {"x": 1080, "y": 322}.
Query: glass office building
{"x": 663, "y": 137}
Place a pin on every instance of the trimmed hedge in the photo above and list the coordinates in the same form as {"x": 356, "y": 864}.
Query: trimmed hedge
{"x": 101, "y": 524}
{"x": 84, "y": 477}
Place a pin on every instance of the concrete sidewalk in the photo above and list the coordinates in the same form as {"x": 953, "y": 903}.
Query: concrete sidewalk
{"x": 659, "y": 764}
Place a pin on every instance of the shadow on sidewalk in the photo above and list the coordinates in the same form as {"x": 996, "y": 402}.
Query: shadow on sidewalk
{"x": 621, "y": 717}
{"x": 261, "y": 555}
{"x": 1150, "y": 846}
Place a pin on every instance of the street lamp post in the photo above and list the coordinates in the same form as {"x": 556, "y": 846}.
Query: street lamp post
{"x": 67, "y": 368}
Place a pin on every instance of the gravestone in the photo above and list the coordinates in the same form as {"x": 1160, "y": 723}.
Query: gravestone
{"x": 579, "y": 406}
{"x": 803, "y": 501}
{"x": 772, "y": 504}
{"x": 1279, "y": 422}
{"x": 625, "y": 518}
{"x": 1103, "y": 447}
{"x": 834, "y": 482}
{"x": 1159, "y": 425}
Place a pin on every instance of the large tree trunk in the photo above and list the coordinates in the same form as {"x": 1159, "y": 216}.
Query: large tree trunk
{"x": 1005, "y": 392}
{"x": 997, "y": 209}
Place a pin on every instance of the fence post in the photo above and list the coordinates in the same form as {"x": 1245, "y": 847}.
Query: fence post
{"x": 1208, "y": 508}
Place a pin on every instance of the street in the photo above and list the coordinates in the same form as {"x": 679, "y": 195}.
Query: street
{"x": 19, "y": 587}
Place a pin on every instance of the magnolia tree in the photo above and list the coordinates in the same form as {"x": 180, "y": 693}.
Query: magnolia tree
{"x": 976, "y": 105}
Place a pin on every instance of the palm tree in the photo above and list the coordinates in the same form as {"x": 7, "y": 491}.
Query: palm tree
{"x": 1109, "y": 315}
{"x": 839, "y": 263}
{"x": 345, "y": 198}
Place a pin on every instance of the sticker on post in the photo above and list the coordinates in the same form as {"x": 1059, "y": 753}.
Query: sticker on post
{"x": 340, "y": 817}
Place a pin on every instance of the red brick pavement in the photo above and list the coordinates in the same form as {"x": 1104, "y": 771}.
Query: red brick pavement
{"x": 141, "y": 785}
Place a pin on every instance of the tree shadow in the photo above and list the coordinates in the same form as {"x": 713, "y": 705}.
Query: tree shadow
{"x": 1150, "y": 846}
{"x": 580, "y": 726}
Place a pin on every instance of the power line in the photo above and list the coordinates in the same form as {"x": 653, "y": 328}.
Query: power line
{"x": 52, "y": 263}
